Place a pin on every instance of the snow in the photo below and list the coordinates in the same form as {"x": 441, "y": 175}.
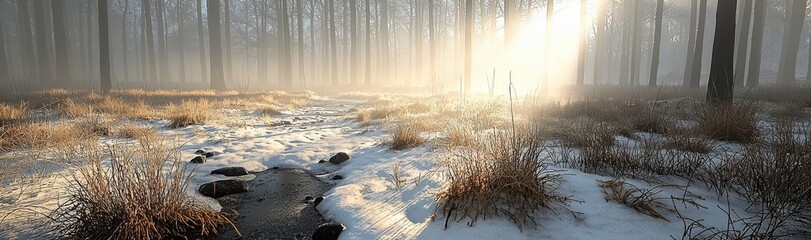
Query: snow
{"x": 369, "y": 202}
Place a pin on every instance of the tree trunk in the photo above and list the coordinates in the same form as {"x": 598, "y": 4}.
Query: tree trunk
{"x": 217, "y": 76}
{"x": 384, "y": 40}
{"x": 164, "y": 56}
{"x": 695, "y": 76}
{"x": 24, "y": 35}
{"x": 333, "y": 43}
{"x": 626, "y": 44}
{"x": 720, "y": 86}
{"x": 636, "y": 44}
{"x": 45, "y": 75}
{"x": 431, "y": 41}
{"x": 300, "y": 28}
{"x": 657, "y": 43}
{"x": 104, "y": 48}
{"x": 124, "y": 37}
{"x": 753, "y": 79}
{"x": 418, "y": 38}
{"x": 353, "y": 61}
{"x": 583, "y": 45}
{"x": 201, "y": 42}
{"x": 228, "y": 69}
{"x": 180, "y": 42}
{"x": 786, "y": 75}
{"x": 60, "y": 40}
{"x": 743, "y": 43}
{"x": 312, "y": 62}
{"x": 598, "y": 40}
{"x": 5, "y": 75}
{"x": 368, "y": 67}
{"x": 548, "y": 51}
{"x": 150, "y": 42}
{"x": 691, "y": 43}
{"x": 468, "y": 43}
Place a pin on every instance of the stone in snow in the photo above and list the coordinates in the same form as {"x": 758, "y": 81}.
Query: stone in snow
{"x": 198, "y": 159}
{"x": 339, "y": 158}
{"x": 328, "y": 231}
{"x": 221, "y": 188}
{"x": 231, "y": 171}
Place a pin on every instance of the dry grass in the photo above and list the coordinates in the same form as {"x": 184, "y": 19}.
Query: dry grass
{"x": 10, "y": 114}
{"x": 270, "y": 111}
{"x": 188, "y": 113}
{"x": 133, "y": 131}
{"x": 93, "y": 125}
{"x": 141, "y": 195}
{"x": 39, "y": 135}
{"x": 737, "y": 123}
{"x": 687, "y": 144}
{"x": 503, "y": 174}
{"x": 642, "y": 200}
{"x": 75, "y": 109}
{"x": 406, "y": 135}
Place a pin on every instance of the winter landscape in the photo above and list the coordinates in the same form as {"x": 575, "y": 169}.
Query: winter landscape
{"x": 412, "y": 119}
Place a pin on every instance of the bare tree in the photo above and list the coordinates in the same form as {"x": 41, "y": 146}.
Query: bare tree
{"x": 720, "y": 86}
{"x": 24, "y": 36}
{"x": 150, "y": 42}
{"x": 300, "y": 36}
{"x": 124, "y": 37}
{"x": 353, "y": 59}
{"x": 180, "y": 42}
{"x": 468, "y": 42}
{"x": 691, "y": 43}
{"x": 60, "y": 37}
{"x": 217, "y": 76}
{"x": 743, "y": 43}
{"x": 657, "y": 43}
{"x": 5, "y": 75}
{"x": 201, "y": 42}
{"x": 42, "y": 42}
{"x": 753, "y": 79}
{"x": 786, "y": 75}
{"x": 104, "y": 47}
{"x": 695, "y": 77}
{"x": 333, "y": 44}
{"x": 582, "y": 46}
{"x": 229, "y": 70}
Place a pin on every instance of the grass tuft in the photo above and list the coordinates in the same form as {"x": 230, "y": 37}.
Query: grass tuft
{"x": 188, "y": 113}
{"x": 737, "y": 123}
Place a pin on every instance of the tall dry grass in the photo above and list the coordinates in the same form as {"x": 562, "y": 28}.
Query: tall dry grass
{"x": 188, "y": 113}
{"x": 131, "y": 192}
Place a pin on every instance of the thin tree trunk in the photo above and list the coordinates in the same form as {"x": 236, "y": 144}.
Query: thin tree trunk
{"x": 418, "y": 30}
{"x": 217, "y": 77}
{"x": 228, "y": 70}
{"x": 150, "y": 42}
{"x": 743, "y": 43}
{"x": 468, "y": 43}
{"x": 626, "y": 44}
{"x": 5, "y": 75}
{"x": 201, "y": 42}
{"x": 124, "y": 46}
{"x": 60, "y": 40}
{"x": 180, "y": 42}
{"x": 657, "y": 43}
{"x": 368, "y": 66}
{"x": 759, "y": 21}
{"x": 26, "y": 44}
{"x": 353, "y": 61}
{"x": 432, "y": 41}
{"x": 164, "y": 56}
{"x": 691, "y": 44}
{"x": 104, "y": 48}
{"x": 333, "y": 43}
{"x": 786, "y": 75}
{"x": 695, "y": 78}
{"x": 300, "y": 28}
{"x": 636, "y": 44}
{"x": 45, "y": 75}
{"x": 384, "y": 39}
{"x": 598, "y": 41}
{"x": 720, "y": 86}
{"x": 583, "y": 45}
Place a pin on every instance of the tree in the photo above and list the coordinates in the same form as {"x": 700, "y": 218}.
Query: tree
{"x": 468, "y": 42}
{"x": 150, "y": 42}
{"x": 550, "y": 16}
{"x": 418, "y": 30}
{"x": 636, "y": 47}
{"x": 432, "y": 40}
{"x": 300, "y": 28}
{"x": 691, "y": 43}
{"x": 598, "y": 39}
{"x": 201, "y": 41}
{"x": 695, "y": 76}
{"x": 786, "y": 75}
{"x": 720, "y": 86}
{"x": 368, "y": 67}
{"x": 24, "y": 36}
{"x": 353, "y": 61}
{"x": 753, "y": 79}
{"x": 42, "y": 42}
{"x": 217, "y": 77}
{"x": 164, "y": 55}
{"x": 583, "y": 47}
{"x": 104, "y": 48}
{"x": 333, "y": 44}
{"x": 60, "y": 39}
{"x": 743, "y": 43}
{"x": 626, "y": 44}
{"x": 180, "y": 42}
{"x": 384, "y": 39}
{"x": 124, "y": 36}
{"x": 657, "y": 43}
{"x": 228, "y": 69}
{"x": 5, "y": 75}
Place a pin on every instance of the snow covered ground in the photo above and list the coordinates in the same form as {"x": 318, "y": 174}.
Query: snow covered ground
{"x": 370, "y": 201}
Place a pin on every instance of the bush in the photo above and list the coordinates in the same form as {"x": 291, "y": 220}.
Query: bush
{"x": 75, "y": 109}
{"x": 639, "y": 199}
{"x": 141, "y": 194}
{"x": 188, "y": 113}
{"x": 502, "y": 174}
{"x": 406, "y": 135}
{"x": 10, "y": 114}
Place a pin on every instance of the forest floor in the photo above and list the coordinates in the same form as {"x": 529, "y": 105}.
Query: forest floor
{"x": 638, "y": 165}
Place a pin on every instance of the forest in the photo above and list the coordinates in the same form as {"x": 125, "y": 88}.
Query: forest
{"x": 405, "y": 119}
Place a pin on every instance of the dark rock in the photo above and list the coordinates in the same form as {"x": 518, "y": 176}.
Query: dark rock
{"x": 317, "y": 200}
{"x": 200, "y": 152}
{"x": 274, "y": 168}
{"x": 231, "y": 171}
{"x": 198, "y": 159}
{"x": 286, "y": 123}
{"x": 321, "y": 161}
{"x": 337, "y": 177}
{"x": 339, "y": 158}
{"x": 221, "y": 188}
{"x": 328, "y": 231}
{"x": 210, "y": 154}
{"x": 297, "y": 118}
{"x": 308, "y": 198}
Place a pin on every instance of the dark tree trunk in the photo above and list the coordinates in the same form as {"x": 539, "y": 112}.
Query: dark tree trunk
{"x": 353, "y": 59}
{"x": 5, "y": 75}
{"x": 626, "y": 43}
{"x": 124, "y": 36}
{"x": 598, "y": 41}
{"x": 164, "y": 56}
{"x": 300, "y": 36}
{"x": 333, "y": 43}
{"x": 637, "y": 44}
{"x": 743, "y": 43}
{"x": 786, "y": 75}
{"x": 150, "y": 42}
{"x": 45, "y": 75}
{"x": 201, "y": 42}
{"x": 368, "y": 67}
{"x": 228, "y": 69}
{"x": 60, "y": 40}
{"x": 583, "y": 45}
{"x": 180, "y": 42}
{"x": 695, "y": 77}
{"x": 217, "y": 76}
{"x": 719, "y": 89}
{"x": 104, "y": 48}
{"x": 24, "y": 35}
{"x": 691, "y": 43}
{"x": 657, "y": 43}
{"x": 759, "y": 21}
{"x": 468, "y": 43}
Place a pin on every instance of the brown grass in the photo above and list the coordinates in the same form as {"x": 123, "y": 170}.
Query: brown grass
{"x": 141, "y": 195}
{"x": 501, "y": 175}
{"x": 189, "y": 113}
{"x": 406, "y": 135}
{"x": 39, "y": 135}
{"x": 133, "y": 131}
{"x": 639, "y": 199}
{"x": 10, "y": 114}
{"x": 74, "y": 109}
{"x": 737, "y": 123}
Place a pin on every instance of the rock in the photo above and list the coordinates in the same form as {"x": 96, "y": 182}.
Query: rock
{"x": 339, "y": 158}
{"x": 308, "y": 198}
{"x": 221, "y": 188}
{"x": 297, "y": 119}
{"x": 200, "y": 152}
{"x": 231, "y": 171}
{"x": 351, "y": 110}
{"x": 210, "y": 154}
{"x": 274, "y": 168}
{"x": 321, "y": 161}
{"x": 328, "y": 231}
{"x": 287, "y": 123}
{"x": 317, "y": 201}
{"x": 337, "y": 177}
{"x": 198, "y": 159}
